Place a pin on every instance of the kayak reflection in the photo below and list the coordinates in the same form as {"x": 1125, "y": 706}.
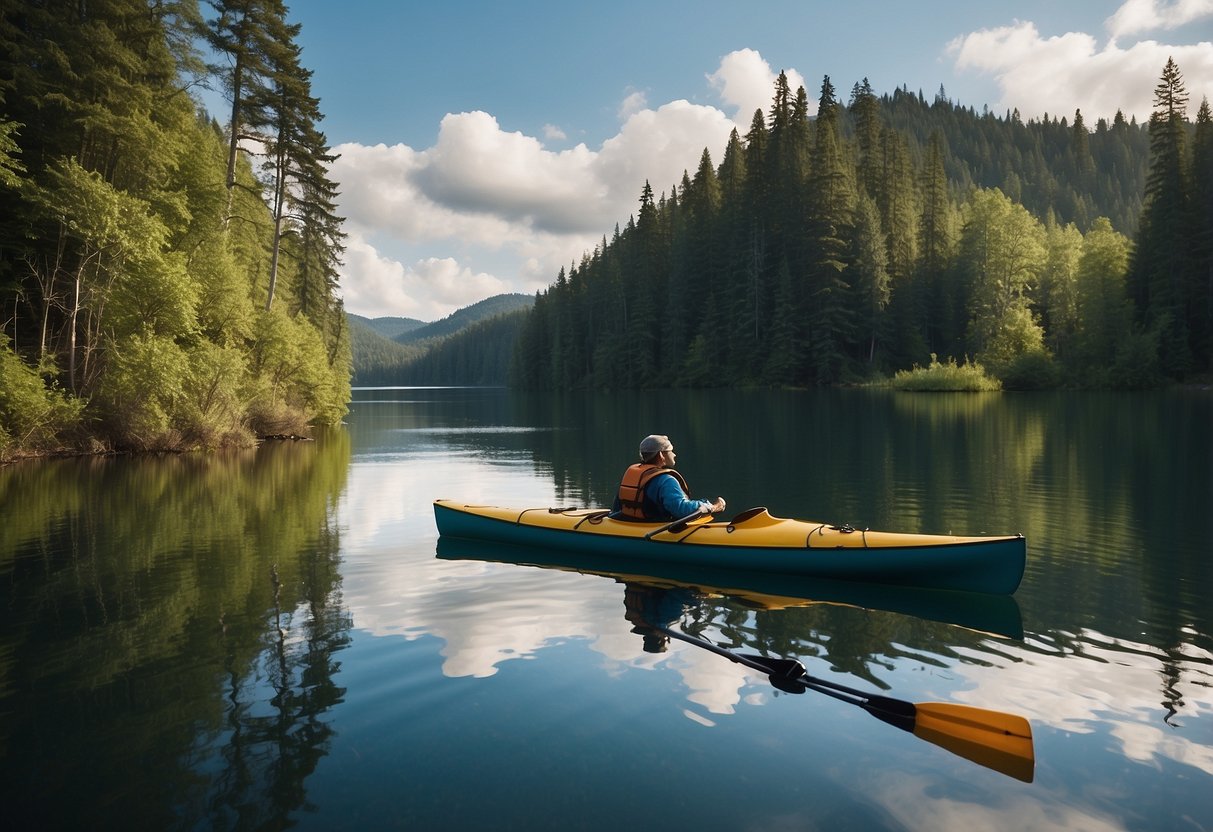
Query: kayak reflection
{"x": 994, "y": 614}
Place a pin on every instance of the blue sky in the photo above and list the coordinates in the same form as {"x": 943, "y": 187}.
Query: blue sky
{"x": 486, "y": 144}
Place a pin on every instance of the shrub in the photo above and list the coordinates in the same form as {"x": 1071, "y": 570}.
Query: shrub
{"x": 1032, "y": 370}
{"x": 946, "y": 377}
{"x": 33, "y": 417}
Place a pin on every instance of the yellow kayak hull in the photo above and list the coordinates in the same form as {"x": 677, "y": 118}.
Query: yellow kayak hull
{"x": 756, "y": 541}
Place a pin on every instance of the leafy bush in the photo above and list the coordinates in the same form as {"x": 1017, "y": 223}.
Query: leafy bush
{"x": 296, "y": 383}
{"x": 32, "y": 417}
{"x": 1032, "y": 370}
{"x": 142, "y": 391}
{"x": 214, "y": 408}
{"x": 946, "y": 377}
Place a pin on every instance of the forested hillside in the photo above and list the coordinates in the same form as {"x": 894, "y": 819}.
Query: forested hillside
{"x": 468, "y": 315}
{"x": 472, "y": 345}
{"x": 888, "y": 230}
{"x": 165, "y": 282}
{"x": 388, "y": 327}
{"x": 480, "y": 354}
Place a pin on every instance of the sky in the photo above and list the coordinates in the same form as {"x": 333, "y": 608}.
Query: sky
{"x": 485, "y": 145}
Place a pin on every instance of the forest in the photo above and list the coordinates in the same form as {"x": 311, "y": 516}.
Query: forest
{"x": 170, "y": 282}
{"x": 471, "y": 346}
{"x": 166, "y": 282}
{"x": 891, "y": 233}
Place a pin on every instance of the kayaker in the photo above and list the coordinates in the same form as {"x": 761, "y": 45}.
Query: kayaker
{"x": 653, "y": 490}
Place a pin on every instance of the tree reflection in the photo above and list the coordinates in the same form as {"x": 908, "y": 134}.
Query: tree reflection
{"x": 174, "y": 627}
{"x": 1111, "y": 490}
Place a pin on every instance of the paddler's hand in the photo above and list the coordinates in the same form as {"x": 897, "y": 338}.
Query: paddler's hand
{"x": 718, "y": 506}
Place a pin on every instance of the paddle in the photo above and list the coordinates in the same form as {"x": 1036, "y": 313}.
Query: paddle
{"x": 996, "y": 740}
{"x": 672, "y": 526}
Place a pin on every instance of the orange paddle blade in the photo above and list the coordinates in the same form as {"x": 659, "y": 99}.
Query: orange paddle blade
{"x": 996, "y": 740}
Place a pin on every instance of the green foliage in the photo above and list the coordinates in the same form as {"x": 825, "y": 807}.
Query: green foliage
{"x": 859, "y": 244}
{"x": 1002, "y": 250}
{"x": 945, "y": 377}
{"x": 142, "y": 392}
{"x": 1104, "y": 312}
{"x": 292, "y": 376}
{"x": 1031, "y": 369}
{"x": 135, "y": 242}
{"x": 33, "y": 417}
{"x": 480, "y": 354}
{"x": 10, "y": 166}
{"x": 214, "y": 404}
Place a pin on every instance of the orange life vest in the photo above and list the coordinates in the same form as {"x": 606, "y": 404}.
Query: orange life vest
{"x": 632, "y": 501}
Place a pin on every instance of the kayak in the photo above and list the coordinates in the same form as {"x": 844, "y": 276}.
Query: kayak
{"x": 755, "y": 541}
{"x": 990, "y": 614}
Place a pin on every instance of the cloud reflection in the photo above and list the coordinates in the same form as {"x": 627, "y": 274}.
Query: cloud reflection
{"x": 1115, "y": 687}
{"x": 1112, "y": 691}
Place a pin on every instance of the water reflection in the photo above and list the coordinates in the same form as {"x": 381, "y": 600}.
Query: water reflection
{"x": 175, "y": 630}
{"x": 263, "y": 640}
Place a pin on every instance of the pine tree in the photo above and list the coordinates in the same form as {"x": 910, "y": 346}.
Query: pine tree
{"x": 865, "y": 109}
{"x": 930, "y": 311}
{"x": 1202, "y": 237}
{"x": 830, "y": 317}
{"x": 244, "y": 33}
{"x": 872, "y": 280}
{"x": 1080, "y": 145}
{"x": 753, "y": 320}
{"x": 1161, "y": 269}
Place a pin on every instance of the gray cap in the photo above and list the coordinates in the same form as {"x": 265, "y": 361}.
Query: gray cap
{"x": 655, "y": 444}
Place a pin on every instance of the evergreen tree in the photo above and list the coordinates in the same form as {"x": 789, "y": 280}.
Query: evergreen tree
{"x": 1202, "y": 237}
{"x": 830, "y": 316}
{"x": 930, "y": 312}
{"x": 751, "y": 332}
{"x": 1084, "y": 163}
{"x": 246, "y": 33}
{"x": 872, "y": 280}
{"x": 1161, "y": 268}
{"x": 865, "y": 110}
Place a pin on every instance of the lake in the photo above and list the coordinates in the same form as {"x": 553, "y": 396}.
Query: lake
{"x": 276, "y": 638}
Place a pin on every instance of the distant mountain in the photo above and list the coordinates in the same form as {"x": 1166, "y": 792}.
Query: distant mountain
{"x": 472, "y": 345}
{"x": 463, "y": 318}
{"x": 389, "y": 327}
{"x": 375, "y": 355}
{"x": 479, "y": 354}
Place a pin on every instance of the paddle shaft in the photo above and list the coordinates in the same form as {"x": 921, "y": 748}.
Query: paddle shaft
{"x": 668, "y": 526}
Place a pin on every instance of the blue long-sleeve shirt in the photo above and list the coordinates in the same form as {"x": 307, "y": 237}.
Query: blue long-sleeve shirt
{"x": 668, "y": 494}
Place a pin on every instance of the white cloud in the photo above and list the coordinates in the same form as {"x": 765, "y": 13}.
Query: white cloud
{"x": 746, "y": 82}
{"x": 1136, "y": 16}
{"x": 553, "y": 133}
{"x": 485, "y": 211}
{"x": 633, "y": 103}
{"x": 374, "y": 285}
{"x": 1060, "y": 74}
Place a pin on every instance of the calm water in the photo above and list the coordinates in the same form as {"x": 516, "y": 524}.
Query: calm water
{"x": 276, "y": 638}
